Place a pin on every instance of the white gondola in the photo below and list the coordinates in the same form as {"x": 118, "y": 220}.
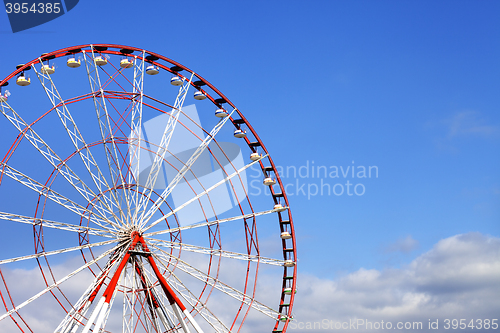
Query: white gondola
{"x": 221, "y": 113}
{"x": 255, "y": 156}
{"x": 279, "y": 207}
{"x": 176, "y": 81}
{"x": 288, "y": 291}
{"x": 23, "y": 80}
{"x": 126, "y": 63}
{"x": 285, "y": 235}
{"x": 152, "y": 70}
{"x": 47, "y": 69}
{"x": 198, "y": 95}
{"x": 73, "y": 62}
{"x": 3, "y": 98}
{"x": 289, "y": 263}
{"x": 268, "y": 181}
{"x": 240, "y": 133}
{"x": 100, "y": 61}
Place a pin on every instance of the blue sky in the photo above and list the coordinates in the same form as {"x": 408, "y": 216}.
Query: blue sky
{"x": 409, "y": 87}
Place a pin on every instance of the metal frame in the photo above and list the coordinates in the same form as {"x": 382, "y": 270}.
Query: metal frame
{"x": 115, "y": 207}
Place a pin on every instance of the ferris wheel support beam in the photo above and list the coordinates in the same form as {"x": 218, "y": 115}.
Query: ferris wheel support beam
{"x": 49, "y": 154}
{"x": 102, "y": 306}
{"x": 149, "y": 295}
{"x": 201, "y": 148}
{"x": 105, "y": 126}
{"x": 74, "y": 134}
{"x": 219, "y": 285}
{"x": 193, "y": 301}
{"x": 175, "y": 302}
{"x": 73, "y": 319}
{"x": 155, "y": 301}
{"x": 202, "y": 194}
{"x": 163, "y": 146}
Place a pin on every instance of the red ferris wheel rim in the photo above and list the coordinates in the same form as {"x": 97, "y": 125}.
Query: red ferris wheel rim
{"x": 216, "y": 98}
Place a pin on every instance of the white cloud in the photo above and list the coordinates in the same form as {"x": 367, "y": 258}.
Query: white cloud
{"x": 462, "y": 125}
{"x": 469, "y": 123}
{"x": 458, "y": 278}
{"x": 404, "y": 245}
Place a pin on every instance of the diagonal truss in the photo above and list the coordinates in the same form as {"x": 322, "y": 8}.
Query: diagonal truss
{"x": 77, "y": 139}
{"x": 54, "y": 196}
{"x": 53, "y": 224}
{"x": 223, "y": 181}
{"x": 201, "y": 148}
{"x": 215, "y": 252}
{"x": 56, "y": 162}
{"x": 163, "y": 147}
{"x": 107, "y": 136}
{"x": 136, "y": 126}
{"x": 214, "y": 282}
{"x": 57, "y": 284}
{"x": 214, "y": 222}
{"x": 49, "y": 253}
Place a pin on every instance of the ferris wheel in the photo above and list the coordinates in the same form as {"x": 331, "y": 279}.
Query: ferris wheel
{"x": 127, "y": 202}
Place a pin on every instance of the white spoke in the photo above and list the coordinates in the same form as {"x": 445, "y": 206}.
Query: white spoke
{"x": 71, "y": 322}
{"x": 215, "y": 252}
{"x": 105, "y": 127}
{"x": 213, "y": 282}
{"x": 136, "y": 125}
{"x": 49, "y": 154}
{"x": 203, "y": 193}
{"x": 163, "y": 146}
{"x": 53, "y": 224}
{"x": 52, "y": 195}
{"x": 49, "y": 253}
{"x": 209, "y": 223}
{"x": 129, "y": 298}
{"x": 75, "y": 137}
{"x": 56, "y": 284}
{"x": 184, "y": 169}
{"x": 193, "y": 301}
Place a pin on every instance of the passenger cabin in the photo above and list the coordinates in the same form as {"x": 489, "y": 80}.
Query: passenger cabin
{"x": 152, "y": 70}
{"x": 47, "y": 69}
{"x": 279, "y": 207}
{"x": 221, "y": 113}
{"x": 255, "y": 156}
{"x": 198, "y": 95}
{"x": 126, "y": 62}
{"x": 268, "y": 181}
{"x": 176, "y": 81}
{"x": 100, "y": 60}
{"x": 240, "y": 133}
{"x": 22, "y": 80}
{"x": 72, "y": 62}
{"x": 285, "y": 235}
